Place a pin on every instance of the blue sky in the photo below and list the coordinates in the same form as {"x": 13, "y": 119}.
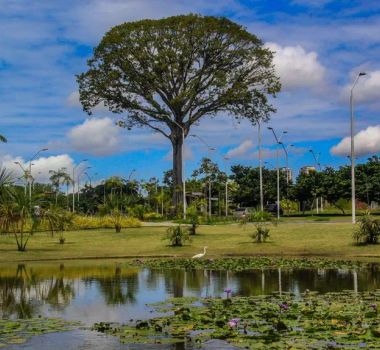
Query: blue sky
{"x": 320, "y": 46}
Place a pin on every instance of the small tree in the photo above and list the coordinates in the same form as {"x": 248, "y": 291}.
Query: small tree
{"x": 58, "y": 220}
{"x": 177, "y": 236}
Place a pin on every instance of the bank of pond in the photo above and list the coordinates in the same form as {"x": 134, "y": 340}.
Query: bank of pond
{"x": 253, "y": 303}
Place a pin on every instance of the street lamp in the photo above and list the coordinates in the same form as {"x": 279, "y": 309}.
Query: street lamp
{"x": 83, "y": 160}
{"x": 260, "y": 167}
{"x": 353, "y": 195}
{"x": 285, "y": 148}
{"x": 316, "y": 159}
{"x": 226, "y": 159}
{"x": 30, "y": 170}
{"x": 278, "y": 141}
{"x": 183, "y": 167}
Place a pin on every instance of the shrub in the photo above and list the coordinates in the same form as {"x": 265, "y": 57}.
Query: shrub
{"x": 152, "y": 216}
{"x": 116, "y": 218}
{"x": 261, "y": 220}
{"x": 368, "y": 231}
{"x": 81, "y": 222}
{"x": 193, "y": 218}
{"x": 137, "y": 211}
{"x": 289, "y": 206}
{"x": 177, "y": 236}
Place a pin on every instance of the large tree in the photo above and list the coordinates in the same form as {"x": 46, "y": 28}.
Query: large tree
{"x": 167, "y": 74}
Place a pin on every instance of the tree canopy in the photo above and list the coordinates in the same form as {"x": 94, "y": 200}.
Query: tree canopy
{"x": 169, "y": 73}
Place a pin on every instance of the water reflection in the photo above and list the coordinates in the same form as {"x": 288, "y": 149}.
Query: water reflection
{"x": 113, "y": 292}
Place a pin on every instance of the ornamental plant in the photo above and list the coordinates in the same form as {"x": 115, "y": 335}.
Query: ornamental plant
{"x": 177, "y": 236}
{"x": 368, "y": 231}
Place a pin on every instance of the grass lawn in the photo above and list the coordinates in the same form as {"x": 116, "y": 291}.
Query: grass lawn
{"x": 332, "y": 240}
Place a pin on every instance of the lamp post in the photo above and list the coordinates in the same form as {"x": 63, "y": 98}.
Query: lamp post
{"x": 353, "y": 194}
{"x": 285, "y": 148}
{"x": 225, "y": 158}
{"x": 278, "y": 141}
{"x": 183, "y": 167}
{"x": 88, "y": 177}
{"x": 30, "y": 170}
{"x": 83, "y": 160}
{"x": 316, "y": 159}
{"x": 260, "y": 167}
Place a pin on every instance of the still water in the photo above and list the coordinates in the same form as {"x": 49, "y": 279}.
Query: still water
{"x": 113, "y": 292}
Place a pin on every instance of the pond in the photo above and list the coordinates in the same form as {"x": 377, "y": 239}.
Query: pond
{"x": 114, "y": 292}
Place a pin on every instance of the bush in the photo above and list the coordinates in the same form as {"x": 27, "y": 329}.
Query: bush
{"x": 152, "y": 216}
{"x": 368, "y": 231}
{"x": 194, "y": 219}
{"x": 289, "y": 206}
{"x": 81, "y": 222}
{"x": 261, "y": 220}
{"x": 177, "y": 236}
{"x": 137, "y": 211}
{"x": 117, "y": 218}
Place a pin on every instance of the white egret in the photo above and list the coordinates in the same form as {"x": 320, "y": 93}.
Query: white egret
{"x": 201, "y": 255}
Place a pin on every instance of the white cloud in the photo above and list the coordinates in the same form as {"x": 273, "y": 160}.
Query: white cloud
{"x": 40, "y": 166}
{"x": 367, "y": 89}
{"x": 73, "y": 99}
{"x": 367, "y": 142}
{"x": 240, "y": 150}
{"x": 296, "y": 67}
{"x": 98, "y": 136}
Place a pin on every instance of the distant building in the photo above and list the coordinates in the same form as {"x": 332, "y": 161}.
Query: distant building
{"x": 288, "y": 173}
{"x": 307, "y": 169}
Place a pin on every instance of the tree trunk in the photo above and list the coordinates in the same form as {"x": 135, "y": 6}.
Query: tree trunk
{"x": 177, "y": 170}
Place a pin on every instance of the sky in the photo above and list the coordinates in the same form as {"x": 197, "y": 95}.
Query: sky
{"x": 320, "y": 46}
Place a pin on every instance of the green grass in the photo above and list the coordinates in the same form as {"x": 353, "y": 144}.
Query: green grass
{"x": 290, "y": 239}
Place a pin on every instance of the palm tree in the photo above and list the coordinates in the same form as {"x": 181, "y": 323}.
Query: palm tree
{"x": 58, "y": 178}
{"x": 15, "y": 214}
{"x": 6, "y": 180}
{"x": 67, "y": 180}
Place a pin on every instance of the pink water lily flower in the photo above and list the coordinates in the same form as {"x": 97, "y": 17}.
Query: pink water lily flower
{"x": 233, "y": 323}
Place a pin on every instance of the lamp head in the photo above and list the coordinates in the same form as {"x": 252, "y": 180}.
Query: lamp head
{"x": 362, "y": 73}
{"x": 44, "y": 149}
